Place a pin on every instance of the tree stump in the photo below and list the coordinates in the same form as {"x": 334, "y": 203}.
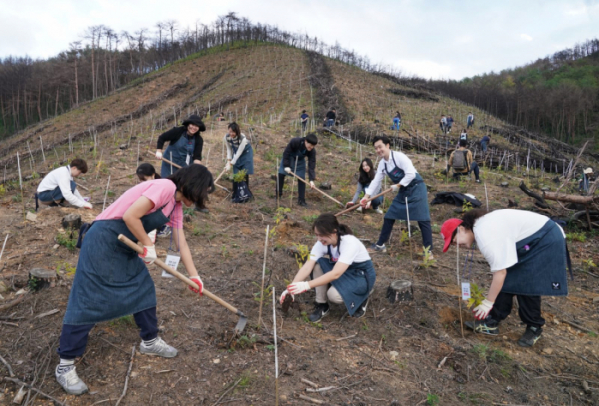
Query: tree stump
{"x": 504, "y": 184}
{"x": 325, "y": 186}
{"x": 400, "y": 291}
{"x": 71, "y": 221}
{"x": 40, "y": 278}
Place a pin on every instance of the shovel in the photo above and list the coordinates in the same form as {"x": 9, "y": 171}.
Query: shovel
{"x": 354, "y": 207}
{"x": 242, "y": 318}
{"x": 318, "y": 190}
{"x": 179, "y": 167}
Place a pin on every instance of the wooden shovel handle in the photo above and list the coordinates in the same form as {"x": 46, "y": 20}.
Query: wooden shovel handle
{"x": 355, "y": 206}
{"x": 317, "y": 189}
{"x": 168, "y": 162}
{"x": 178, "y": 275}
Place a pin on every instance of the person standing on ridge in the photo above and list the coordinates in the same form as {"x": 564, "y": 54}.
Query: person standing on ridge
{"x": 470, "y": 120}
{"x": 406, "y": 181}
{"x": 330, "y": 118}
{"x": 396, "y": 121}
{"x": 304, "y": 117}
{"x": 449, "y": 123}
{"x": 296, "y": 151}
{"x": 443, "y": 124}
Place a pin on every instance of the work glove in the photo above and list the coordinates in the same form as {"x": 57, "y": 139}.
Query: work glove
{"x": 87, "y": 205}
{"x": 482, "y": 310}
{"x": 349, "y": 204}
{"x": 149, "y": 255}
{"x": 200, "y": 284}
{"x": 228, "y": 167}
{"x": 288, "y": 170}
{"x": 298, "y": 287}
{"x": 284, "y": 295}
{"x": 395, "y": 188}
{"x": 312, "y": 185}
{"x": 158, "y": 154}
{"x": 152, "y": 235}
{"x": 365, "y": 203}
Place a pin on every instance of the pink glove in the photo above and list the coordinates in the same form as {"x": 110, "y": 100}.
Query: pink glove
{"x": 284, "y": 295}
{"x": 298, "y": 287}
{"x": 200, "y": 284}
{"x": 482, "y": 310}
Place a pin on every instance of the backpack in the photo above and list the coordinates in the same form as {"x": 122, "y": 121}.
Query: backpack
{"x": 460, "y": 161}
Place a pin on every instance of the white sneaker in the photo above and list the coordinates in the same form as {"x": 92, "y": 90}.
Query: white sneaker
{"x": 159, "y": 348}
{"x": 379, "y": 211}
{"x": 70, "y": 382}
{"x": 359, "y": 210}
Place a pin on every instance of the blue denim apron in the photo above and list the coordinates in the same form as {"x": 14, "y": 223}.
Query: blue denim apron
{"x": 180, "y": 150}
{"x": 301, "y": 163}
{"x": 416, "y": 194}
{"x": 541, "y": 267}
{"x": 246, "y": 160}
{"x": 111, "y": 280}
{"x": 355, "y": 284}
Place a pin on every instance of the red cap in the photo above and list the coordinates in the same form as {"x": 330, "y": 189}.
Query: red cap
{"x": 447, "y": 230}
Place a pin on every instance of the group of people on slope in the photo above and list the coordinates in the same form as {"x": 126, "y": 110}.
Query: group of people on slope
{"x": 526, "y": 251}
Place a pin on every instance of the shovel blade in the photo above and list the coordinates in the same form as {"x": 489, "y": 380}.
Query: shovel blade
{"x": 241, "y": 324}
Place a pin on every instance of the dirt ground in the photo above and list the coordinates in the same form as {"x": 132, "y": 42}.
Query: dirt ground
{"x": 414, "y": 353}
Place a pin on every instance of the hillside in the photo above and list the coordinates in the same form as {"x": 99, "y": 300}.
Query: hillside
{"x": 410, "y": 354}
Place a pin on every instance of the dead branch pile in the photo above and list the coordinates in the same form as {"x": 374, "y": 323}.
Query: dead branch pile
{"x": 414, "y": 94}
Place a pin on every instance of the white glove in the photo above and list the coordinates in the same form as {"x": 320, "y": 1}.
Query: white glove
{"x": 152, "y": 235}
{"x": 288, "y": 170}
{"x": 349, "y": 204}
{"x": 395, "y": 188}
{"x": 87, "y": 205}
{"x": 284, "y": 295}
{"x": 149, "y": 255}
{"x": 158, "y": 154}
{"x": 312, "y": 184}
{"x": 482, "y": 310}
{"x": 364, "y": 203}
{"x": 228, "y": 167}
{"x": 298, "y": 287}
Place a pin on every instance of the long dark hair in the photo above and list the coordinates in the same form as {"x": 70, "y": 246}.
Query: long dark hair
{"x": 146, "y": 169}
{"x": 366, "y": 178}
{"x": 195, "y": 182}
{"x": 235, "y": 127}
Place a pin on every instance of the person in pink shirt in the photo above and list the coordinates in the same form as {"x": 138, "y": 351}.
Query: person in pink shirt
{"x": 113, "y": 281}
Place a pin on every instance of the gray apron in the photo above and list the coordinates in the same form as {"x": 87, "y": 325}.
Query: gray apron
{"x": 246, "y": 160}
{"x": 355, "y": 284}
{"x": 301, "y": 163}
{"x": 111, "y": 280}
{"x": 416, "y": 194}
{"x": 180, "y": 150}
{"x": 541, "y": 267}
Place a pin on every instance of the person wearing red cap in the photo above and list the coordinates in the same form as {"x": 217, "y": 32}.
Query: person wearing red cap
{"x": 527, "y": 254}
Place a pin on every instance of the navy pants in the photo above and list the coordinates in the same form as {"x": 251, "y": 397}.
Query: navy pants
{"x": 473, "y": 168}
{"x": 425, "y": 229}
{"x": 55, "y": 195}
{"x": 529, "y": 309}
{"x": 73, "y": 338}
{"x": 301, "y": 188}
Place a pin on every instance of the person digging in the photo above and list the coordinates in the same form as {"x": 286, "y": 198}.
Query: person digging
{"x": 113, "y": 281}
{"x": 240, "y": 156}
{"x": 296, "y": 151}
{"x": 528, "y": 258}
{"x": 408, "y": 184}
{"x": 348, "y": 269}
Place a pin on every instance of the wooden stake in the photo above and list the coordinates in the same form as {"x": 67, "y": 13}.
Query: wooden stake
{"x": 274, "y": 322}
{"x": 457, "y": 261}
{"x": 106, "y": 193}
{"x": 293, "y": 185}
{"x": 21, "y": 183}
{"x": 263, "y": 275}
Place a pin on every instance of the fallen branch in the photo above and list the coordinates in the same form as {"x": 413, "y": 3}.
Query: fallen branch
{"x": 227, "y": 391}
{"x": 10, "y": 372}
{"x": 569, "y": 198}
{"x": 304, "y": 397}
{"x": 307, "y": 382}
{"x": 13, "y": 303}
{"x": 579, "y": 327}
{"x": 19, "y": 382}
{"x": 539, "y": 201}
{"x": 127, "y": 378}
{"x": 321, "y": 389}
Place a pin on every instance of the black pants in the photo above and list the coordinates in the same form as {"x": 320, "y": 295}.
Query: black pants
{"x": 73, "y": 338}
{"x": 425, "y": 229}
{"x": 529, "y": 309}
{"x": 301, "y": 188}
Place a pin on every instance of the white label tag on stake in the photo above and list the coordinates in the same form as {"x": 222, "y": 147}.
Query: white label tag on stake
{"x": 173, "y": 262}
{"x": 466, "y": 290}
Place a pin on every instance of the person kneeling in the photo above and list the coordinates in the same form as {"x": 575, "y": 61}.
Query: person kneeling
{"x": 58, "y": 186}
{"x": 348, "y": 268}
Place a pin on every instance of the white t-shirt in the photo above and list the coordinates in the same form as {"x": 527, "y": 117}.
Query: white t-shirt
{"x": 497, "y": 233}
{"x": 352, "y": 250}
{"x": 403, "y": 162}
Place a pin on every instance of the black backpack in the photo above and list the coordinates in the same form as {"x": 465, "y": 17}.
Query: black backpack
{"x": 460, "y": 160}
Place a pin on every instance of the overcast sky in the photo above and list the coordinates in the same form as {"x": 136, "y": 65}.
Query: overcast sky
{"x": 432, "y": 39}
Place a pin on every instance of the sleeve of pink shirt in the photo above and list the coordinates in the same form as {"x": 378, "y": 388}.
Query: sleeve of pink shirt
{"x": 160, "y": 195}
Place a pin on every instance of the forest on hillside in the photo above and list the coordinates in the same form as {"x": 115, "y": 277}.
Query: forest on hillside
{"x": 557, "y": 95}
{"x": 104, "y": 60}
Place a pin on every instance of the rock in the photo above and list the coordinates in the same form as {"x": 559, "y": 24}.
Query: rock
{"x": 283, "y": 398}
{"x": 547, "y": 351}
{"x": 394, "y": 355}
{"x": 134, "y": 374}
{"x": 504, "y": 184}
{"x": 596, "y": 300}
{"x": 55, "y": 247}
{"x": 556, "y": 321}
{"x": 325, "y": 186}
{"x": 3, "y": 288}
{"x": 216, "y": 361}
{"x": 21, "y": 292}
{"x": 72, "y": 221}
{"x": 123, "y": 146}
{"x": 31, "y": 216}
{"x": 545, "y": 188}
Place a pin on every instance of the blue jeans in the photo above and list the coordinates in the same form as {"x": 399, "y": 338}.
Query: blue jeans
{"x": 473, "y": 168}
{"x": 483, "y": 145}
{"x": 55, "y": 195}
{"x": 330, "y": 122}
{"x": 73, "y": 338}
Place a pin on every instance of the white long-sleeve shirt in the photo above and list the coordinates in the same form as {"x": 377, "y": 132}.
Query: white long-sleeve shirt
{"x": 403, "y": 162}
{"x": 62, "y": 178}
{"x": 242, "y": 143}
